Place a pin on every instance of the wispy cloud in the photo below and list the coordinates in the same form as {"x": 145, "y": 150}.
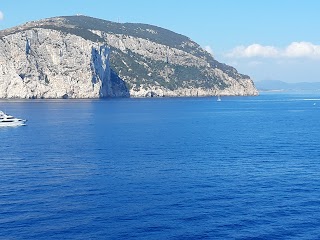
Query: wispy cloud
{"x": 208, "y": 49}
{"x": 255, "y": 63}
{"x": 1, "y": 16}
{"x": 293, "y": 50}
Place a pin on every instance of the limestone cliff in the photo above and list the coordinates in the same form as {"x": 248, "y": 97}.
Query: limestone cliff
{"x": 84, "y": 57}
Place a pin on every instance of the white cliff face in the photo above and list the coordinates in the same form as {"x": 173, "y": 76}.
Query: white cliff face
{"x": 54, "y": 58}
{"x": 154, "y": 51}
{"x": 44, "y": 63}
{"x": 246, "y": 89}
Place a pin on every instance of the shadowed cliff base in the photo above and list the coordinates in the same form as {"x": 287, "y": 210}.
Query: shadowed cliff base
{"x": 118, "y": 86}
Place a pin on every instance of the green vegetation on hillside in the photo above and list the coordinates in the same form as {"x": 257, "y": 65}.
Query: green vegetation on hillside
{"x": 170, "y": 76}
{"x": 145, "y": 31}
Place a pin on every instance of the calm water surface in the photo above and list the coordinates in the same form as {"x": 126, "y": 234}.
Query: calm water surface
{"x": 186, "y": 168}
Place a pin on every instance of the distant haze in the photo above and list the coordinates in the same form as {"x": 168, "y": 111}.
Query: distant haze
{"x": 277, "y": 85}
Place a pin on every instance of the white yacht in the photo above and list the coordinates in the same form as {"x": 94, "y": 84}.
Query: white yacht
{"x": 10, "y": 121}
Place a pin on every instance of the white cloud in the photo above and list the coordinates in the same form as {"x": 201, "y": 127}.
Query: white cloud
{"x": 254, "y": 50}
{"x": 302, "y": 49}
{"x": 208, "y": 49}
{"x": 1, "y": 16}
{"x": 294, "y": 50}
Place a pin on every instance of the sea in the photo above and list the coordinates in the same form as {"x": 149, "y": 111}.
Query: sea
{"x": 162, "y": 168}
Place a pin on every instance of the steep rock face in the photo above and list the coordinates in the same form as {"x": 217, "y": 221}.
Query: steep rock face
{"x": 45, "y": 63}
{"x": 83, "y": 57}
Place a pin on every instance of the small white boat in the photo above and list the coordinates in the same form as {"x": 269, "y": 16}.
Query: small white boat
{"x": 219, "y": 99}
{"x": 10, "y": 121}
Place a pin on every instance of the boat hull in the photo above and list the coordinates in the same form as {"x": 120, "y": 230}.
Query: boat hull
{"x": 13, "y": 124}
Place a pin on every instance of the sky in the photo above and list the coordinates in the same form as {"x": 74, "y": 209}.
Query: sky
{"x": 265, "y": 39}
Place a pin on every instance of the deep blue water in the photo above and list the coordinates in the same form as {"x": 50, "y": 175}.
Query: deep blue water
{"x": 172, "y": 168}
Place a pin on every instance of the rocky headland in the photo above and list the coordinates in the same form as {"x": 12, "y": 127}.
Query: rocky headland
{"x": 85, "y": 57}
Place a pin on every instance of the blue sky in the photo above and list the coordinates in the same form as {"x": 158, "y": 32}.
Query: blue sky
{"x": 266, "y": 39}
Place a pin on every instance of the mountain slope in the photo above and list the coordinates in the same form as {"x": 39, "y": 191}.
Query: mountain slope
{"x": 85, "y": 57}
